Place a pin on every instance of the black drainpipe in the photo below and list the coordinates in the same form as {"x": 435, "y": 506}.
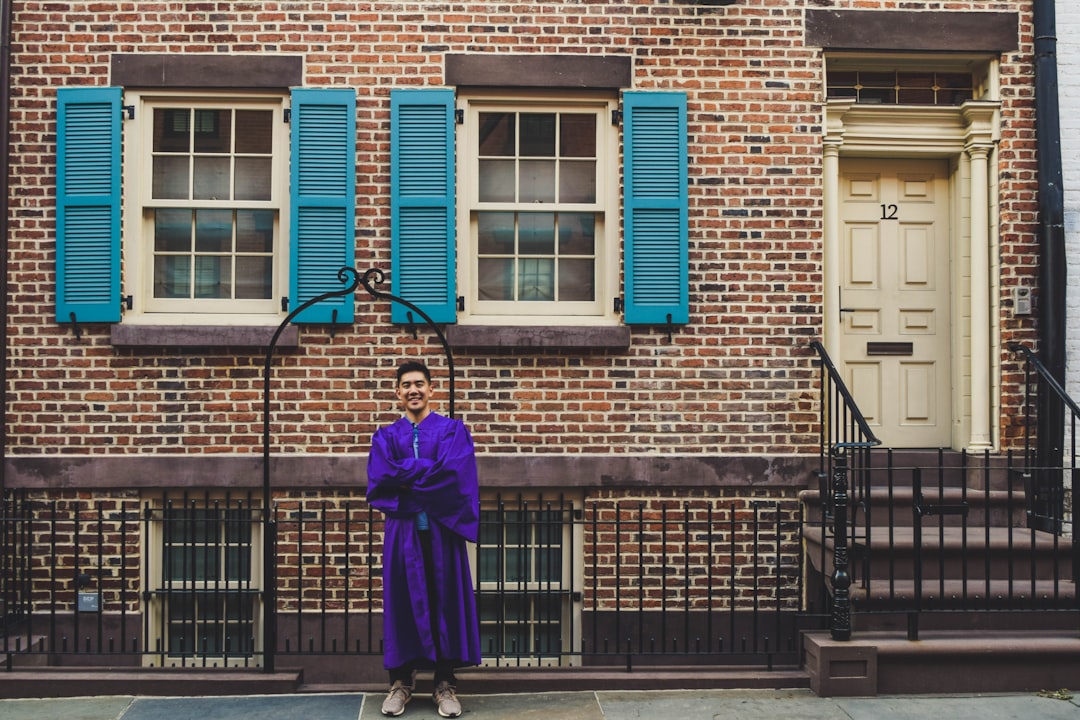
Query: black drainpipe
{"x": 5, "y": 188}
{"x": 1051, "y": 422}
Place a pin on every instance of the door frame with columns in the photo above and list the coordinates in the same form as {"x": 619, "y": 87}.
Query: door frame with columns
{"x": 967, "y": 136}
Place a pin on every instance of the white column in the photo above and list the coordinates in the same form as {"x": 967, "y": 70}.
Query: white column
{"x": 980, "y": 297}
{"x": 832, "y": 257}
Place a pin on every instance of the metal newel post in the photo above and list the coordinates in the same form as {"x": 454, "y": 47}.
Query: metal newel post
{"x": 841, "y": 578}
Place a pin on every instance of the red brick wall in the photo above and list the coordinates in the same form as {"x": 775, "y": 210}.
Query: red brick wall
{"x": 737, "y": 379}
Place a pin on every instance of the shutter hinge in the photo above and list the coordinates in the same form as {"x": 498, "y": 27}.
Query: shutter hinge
{"x": 128, "y": 301}
{"x": 284, "y": 304}
{"x": 616, "y": 117}
{"x": 286, "y": 115}
{"x": 618, "y": 304}
{"x": 129, "y": 110}
{"x": 459, "y": 117}
{"x": 461, "y": 303}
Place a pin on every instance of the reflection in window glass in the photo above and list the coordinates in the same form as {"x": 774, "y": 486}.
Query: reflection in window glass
{"x": 216, "y": 159}
{"x": 537, "y": 163}
{"x": 541, "y": 256}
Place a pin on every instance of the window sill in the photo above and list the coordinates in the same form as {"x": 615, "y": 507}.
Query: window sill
{"x": 541, "y": 337}
{"x": 201, "y": 336}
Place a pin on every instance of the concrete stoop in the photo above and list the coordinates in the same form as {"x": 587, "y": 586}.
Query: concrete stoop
{"x": 874, "y": 663}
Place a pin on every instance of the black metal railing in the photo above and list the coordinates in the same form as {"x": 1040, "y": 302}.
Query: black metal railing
{"x": 967, "y": 544}
{"x": 1051, "y": 461}
{"x": 14, "y": 560}
{"x": 176, "y": 581}
{"x": 845, "y": 460}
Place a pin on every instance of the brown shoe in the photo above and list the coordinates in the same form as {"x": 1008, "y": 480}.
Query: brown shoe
{"x": 446, "y": 700}
{"x": 395, "y": 702}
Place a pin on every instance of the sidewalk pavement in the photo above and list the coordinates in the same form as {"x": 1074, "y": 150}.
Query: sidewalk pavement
{"x": 606, "y": 705}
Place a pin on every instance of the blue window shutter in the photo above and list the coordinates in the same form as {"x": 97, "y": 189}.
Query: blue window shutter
{"x": 655, "y": 206}
{"x": 422, "y": 202}
{"x": 322, "y": 207}
{"x": 88, "y": 204}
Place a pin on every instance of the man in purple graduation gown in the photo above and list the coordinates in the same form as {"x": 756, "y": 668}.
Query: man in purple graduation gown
{"x": 422, "y": 476}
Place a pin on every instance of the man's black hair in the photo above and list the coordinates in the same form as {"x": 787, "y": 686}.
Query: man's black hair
{"x": 413, "y": 366}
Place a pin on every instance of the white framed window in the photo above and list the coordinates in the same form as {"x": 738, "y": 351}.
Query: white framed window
{"x": 528, "y": 574}
{"x": 204, "y": 580}
{"x": 205, "y": 207}
{"x": 538, "y": 209}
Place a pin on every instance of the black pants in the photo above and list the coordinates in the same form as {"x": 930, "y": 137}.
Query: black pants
{"x": 444, "y": 668}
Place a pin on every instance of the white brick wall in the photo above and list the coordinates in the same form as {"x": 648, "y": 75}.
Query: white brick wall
{"x": 1068, "y": 33}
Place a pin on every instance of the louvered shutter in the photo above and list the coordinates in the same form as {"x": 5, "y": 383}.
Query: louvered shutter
{"x": 322, "y": 184}
{"x": 422, "y": 202}
{"x": 88, "y": 205}
{"x": 655, "y": 205}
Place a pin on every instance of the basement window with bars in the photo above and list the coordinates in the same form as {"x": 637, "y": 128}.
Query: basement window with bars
{"x": 204, "y": 567}
{"x": 528, "y": 561}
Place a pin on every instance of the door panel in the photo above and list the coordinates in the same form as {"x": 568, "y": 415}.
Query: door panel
{"x": 895, "y": 346}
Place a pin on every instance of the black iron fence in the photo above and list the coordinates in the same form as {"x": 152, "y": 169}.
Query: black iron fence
{"x": 963, "y": 535}
{"x": 178, "y": 580}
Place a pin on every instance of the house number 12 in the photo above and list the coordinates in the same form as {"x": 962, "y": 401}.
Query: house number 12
{"x": 889, "y": 212}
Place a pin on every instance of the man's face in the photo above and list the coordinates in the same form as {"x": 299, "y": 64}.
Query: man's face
{"x": 414, "y": 392}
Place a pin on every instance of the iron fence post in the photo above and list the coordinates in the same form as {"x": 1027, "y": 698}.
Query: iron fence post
{"x": 841, "y": 578}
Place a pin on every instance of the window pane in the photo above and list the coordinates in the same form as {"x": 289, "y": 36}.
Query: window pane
{"x": 170, "y": 178}
{"x": 213, "y": 131}
{"x": 172, "y": 131}
{"x": 496, "y": 279}
{"x": 172, "y": 230}
{"x": 496, "y": 134}
{"x": 254, "y": 131}
{"x": 495, "y": 233}
{"x": 213, "y": 231}
{"x": 877, "y": 96}
{"x": 253, "y": 178}
{"x": 536, "y": 279}
{"x": 537, "y": 181}
{"x": 255, "y": 231}
{"x": 577, "y": 234}
{"x": 537, "y": 135}
{"x": 577, "y": 182}
{"x": 496, "y": 181}
{"x": 213, "y": 277}
{"x": 577, "y": 135}
{"x": 536, "y": 234}
{"x": 237, "y": 562}
{"x": 877, "y": 79}
{"x": 576, "y": 280}
{"x": 172, "y": 276}
{"x": 915, "y": 97}
{"x": 253, "y": 277}
{"x": 211, "y": 178}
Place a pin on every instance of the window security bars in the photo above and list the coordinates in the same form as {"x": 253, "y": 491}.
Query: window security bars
{"x": 176, "y": 582}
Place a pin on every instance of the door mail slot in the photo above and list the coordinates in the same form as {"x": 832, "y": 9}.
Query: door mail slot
{"x": 890, "y": 348}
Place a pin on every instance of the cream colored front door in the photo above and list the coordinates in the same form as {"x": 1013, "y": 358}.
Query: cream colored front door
{"x": 895, "y": 297}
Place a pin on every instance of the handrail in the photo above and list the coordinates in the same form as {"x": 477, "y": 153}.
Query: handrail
{"x": 1047, "y": 487}
{"x": 1044, "y": 373}
{"x": 843, "y": 433}
{"x": 849, "y": 401}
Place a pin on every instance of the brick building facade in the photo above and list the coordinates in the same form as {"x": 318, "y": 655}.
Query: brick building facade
{"x": 630, "y": 288}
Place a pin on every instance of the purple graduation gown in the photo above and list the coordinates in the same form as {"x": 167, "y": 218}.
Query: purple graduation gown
{"x": 443, "y": 483}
